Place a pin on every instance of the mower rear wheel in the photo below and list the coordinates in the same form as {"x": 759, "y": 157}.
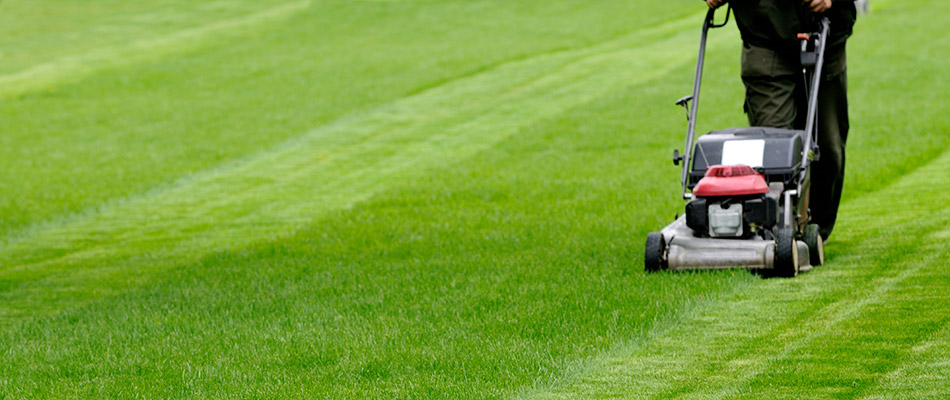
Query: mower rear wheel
{"x": 786, "y": 254}
{"x": 816, "y": 246}
{"x": 653, "y": 257}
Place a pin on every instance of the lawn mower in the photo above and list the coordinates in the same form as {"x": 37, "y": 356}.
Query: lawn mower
{"x": 746, "y": 188}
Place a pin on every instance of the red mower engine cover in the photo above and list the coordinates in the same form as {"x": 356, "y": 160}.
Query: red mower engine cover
{"x": 730, "y": 180}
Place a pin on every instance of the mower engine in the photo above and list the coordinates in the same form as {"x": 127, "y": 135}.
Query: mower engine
{"x": 732, "y": 201}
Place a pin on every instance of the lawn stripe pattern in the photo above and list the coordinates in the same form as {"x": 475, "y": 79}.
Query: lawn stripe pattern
{"x": 73, "y": 67}
{"x": 877, "y": 303}
{"x": 474, "y": 233}
{"x": 871, "y": 324}
{"x": 269, "y": 194}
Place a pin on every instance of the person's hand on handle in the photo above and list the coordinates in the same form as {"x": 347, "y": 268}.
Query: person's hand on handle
{"x": 717, "y": 3}
{"x": 816, "y": 6}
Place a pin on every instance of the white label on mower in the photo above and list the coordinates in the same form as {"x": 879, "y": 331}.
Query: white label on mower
{"x": 745, "y": 152}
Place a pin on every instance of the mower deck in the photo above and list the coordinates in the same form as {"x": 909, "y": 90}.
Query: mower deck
{"x": 685, "y": 251}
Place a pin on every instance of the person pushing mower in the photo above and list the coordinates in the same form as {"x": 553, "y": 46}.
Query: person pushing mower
{"x": 776, "y": 94}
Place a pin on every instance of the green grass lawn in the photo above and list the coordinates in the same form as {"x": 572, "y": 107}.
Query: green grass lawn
{"x": 415, "y": 199}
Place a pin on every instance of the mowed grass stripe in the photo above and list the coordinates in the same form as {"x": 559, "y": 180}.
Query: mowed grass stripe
{"x": 90, "y": 58}
{"x": 896, "y": 88}
{"x": 923, "y": 373}
{"x": 330, "y": 168}
{"x": 858, "y": 326}
{"x": 73, "y": 148}
{"x": 837, "y": 331}
{"x": 473, "y": 281}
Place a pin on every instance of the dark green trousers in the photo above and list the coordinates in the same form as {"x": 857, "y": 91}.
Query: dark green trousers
{"x": 775, "y": 97}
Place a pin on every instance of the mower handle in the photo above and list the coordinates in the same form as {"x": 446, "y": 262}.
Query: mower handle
{"x": 811, "y": 133}
{"x": 692, "y": 111}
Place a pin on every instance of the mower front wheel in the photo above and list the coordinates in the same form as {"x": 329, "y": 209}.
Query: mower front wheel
{"x": 816, "y": 246}
{"x": 786, "y": 254}
{"x": 653, "y": 256}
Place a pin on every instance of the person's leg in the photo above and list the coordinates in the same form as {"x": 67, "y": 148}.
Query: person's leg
{"x": 772, "y": 87}
{"x": 828, "y": 171}
{"x": 770, "y": 101}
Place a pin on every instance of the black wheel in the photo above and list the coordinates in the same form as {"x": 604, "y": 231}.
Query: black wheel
{"x": 816, "y": 246}
{"x": 653, "y": 257}
{"x": 786, "y": 254}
